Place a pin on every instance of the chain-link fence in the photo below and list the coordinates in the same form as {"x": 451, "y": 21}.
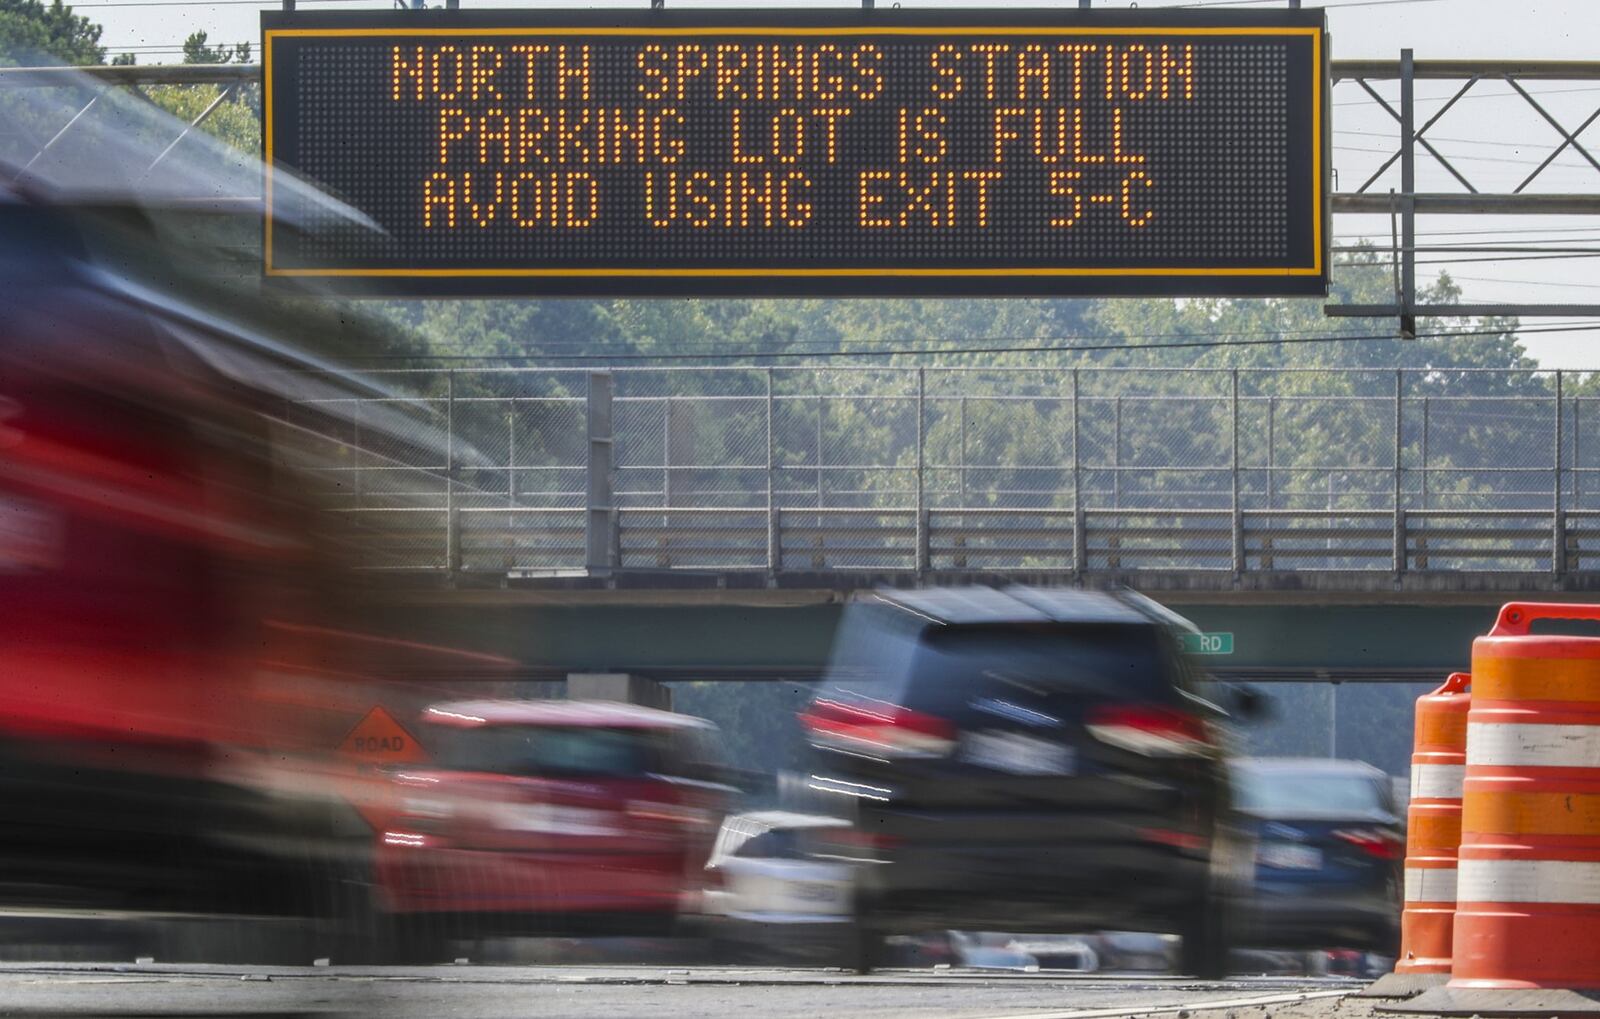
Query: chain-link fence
{"x": 917, "y": 470}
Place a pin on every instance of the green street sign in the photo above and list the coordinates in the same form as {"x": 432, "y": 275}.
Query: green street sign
{"x": 1208, "y": 643}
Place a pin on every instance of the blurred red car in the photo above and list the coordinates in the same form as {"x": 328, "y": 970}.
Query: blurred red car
{"x": 544, "y": 817}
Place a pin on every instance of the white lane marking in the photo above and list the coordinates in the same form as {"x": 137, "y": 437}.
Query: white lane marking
{"x": 1547, "y": 746}
{"x": 1430, "y": 884}
{"x": 1569, "y": 881}
{"x": 1437, "y": 781}
{"x": 1186, "y": 1006}
{"x": 59, "y": 981}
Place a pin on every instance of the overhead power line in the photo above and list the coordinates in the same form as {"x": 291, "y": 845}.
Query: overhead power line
{"x": 1479, "y": 96}
{"x": 1460, "y": 158}
{"x": 1393, "y": 136}
{"x": 273, "y": 3}
{"x": 1528, "y": 283}
{"x": 1334, "y": 4}
{"x": 1030, "y": 348}
{"x": 1447, "y": 260}
{"x": 1138, "y": 341}
{"x": 1506, "y": 235}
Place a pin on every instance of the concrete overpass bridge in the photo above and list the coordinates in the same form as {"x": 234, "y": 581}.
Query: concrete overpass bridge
{"x": 725, "y": 636}
{"x": 707, "y": 523}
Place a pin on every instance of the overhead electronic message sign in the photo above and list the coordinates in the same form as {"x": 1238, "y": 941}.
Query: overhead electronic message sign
{"x": 830, "y": 153}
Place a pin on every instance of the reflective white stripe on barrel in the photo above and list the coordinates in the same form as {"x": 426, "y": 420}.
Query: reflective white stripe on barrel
{"x": 1541, "y": 746}
{"x": 1437, "y": 781}
{"x": 1431, "y": 884}
{"x": 1528, "y": 881}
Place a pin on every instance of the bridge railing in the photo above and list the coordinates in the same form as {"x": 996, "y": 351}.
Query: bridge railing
{"x": 916, "y": 471}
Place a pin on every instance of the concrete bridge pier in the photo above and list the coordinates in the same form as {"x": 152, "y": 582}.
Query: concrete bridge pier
{"x": 619, "y": 686}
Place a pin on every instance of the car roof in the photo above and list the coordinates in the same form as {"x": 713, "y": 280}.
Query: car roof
{"x": 970, "y": 606}
{"x": 573, "y": 714}
{"x": 1309, "y": 766}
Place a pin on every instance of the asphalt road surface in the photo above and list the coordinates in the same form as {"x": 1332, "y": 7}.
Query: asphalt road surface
{"x": 632, "y": 992}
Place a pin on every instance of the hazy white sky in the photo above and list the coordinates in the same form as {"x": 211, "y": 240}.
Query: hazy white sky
{"x": 1492, "y": 136}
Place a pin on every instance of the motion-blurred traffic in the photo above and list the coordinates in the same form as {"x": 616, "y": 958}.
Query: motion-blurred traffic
{"x": 206, "y": 712}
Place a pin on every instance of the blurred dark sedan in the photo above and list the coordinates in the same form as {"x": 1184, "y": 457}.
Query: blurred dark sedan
{"x": 1329, "y": 852}
{"x": 1026, "y": 760}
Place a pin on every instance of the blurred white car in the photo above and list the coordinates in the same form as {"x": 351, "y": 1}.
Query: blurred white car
{"x": 763, "y": 891}
{"x": 1029, "y": 952}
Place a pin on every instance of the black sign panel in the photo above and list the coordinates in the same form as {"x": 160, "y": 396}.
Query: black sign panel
{"x": 834, "y": 153}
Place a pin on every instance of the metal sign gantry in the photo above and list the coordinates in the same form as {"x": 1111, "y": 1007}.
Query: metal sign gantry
{"x": 1404, "y": 205}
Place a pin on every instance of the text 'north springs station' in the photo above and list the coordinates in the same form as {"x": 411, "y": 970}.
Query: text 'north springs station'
{"x": 517, "y": 125}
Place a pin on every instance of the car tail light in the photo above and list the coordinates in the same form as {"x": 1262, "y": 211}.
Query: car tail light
{"x": 1150, "y": 730}
{"x": 878, "y": 730}
{"x": 859, "y": 839}
{"x": 1188, "y": 841}
{"x": 672, "y": 813}
{"x": 1375, "y": 842}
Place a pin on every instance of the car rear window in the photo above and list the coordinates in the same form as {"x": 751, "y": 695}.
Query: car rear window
{"x": 1118, "y": 661}
{"x": 777, "y": 844}
{"x": 1291, "y": 793}
{"x": 555, "y": 751}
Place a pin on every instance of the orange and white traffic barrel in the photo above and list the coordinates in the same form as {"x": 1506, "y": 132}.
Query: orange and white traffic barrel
{"x": 1433, "y": 827}
{"x": 1528, "y": 892}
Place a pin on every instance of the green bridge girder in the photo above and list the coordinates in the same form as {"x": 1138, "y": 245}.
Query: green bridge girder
{"x": 675, "y": 638}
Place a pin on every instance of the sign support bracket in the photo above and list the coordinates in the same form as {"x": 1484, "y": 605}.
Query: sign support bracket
{"x": 1403, "y": 205}
{"x": 1408, "y": 197}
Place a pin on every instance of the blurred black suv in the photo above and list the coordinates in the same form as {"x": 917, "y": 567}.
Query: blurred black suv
{"x": 1026, "y": 760}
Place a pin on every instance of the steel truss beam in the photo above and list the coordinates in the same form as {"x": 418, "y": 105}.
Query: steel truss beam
{"x": 1405, "y": 205}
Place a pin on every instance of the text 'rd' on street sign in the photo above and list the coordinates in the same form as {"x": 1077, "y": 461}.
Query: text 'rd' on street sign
{"x": 825, "y": 153}
{"x": 1208, "y": 643}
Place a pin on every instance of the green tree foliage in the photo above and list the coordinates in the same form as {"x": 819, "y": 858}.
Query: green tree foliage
{"x": 197, "y": 51}
{"x": 237, "y": 120}
{"x": 981, "y": 332}
{"x": 33, "y": 33}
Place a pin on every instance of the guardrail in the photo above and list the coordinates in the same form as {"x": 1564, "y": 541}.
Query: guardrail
{"x": 779, "y": 474}
{"x": 527, "y": 542}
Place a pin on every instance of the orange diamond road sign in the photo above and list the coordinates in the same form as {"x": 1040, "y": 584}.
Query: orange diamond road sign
{"x": 379, "y": 739}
